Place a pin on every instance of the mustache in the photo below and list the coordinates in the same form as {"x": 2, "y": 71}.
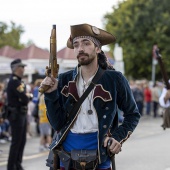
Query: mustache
{"x": 82, "y": 54}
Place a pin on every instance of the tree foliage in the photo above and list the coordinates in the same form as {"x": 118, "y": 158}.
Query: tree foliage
{"x": 10, "y": 35}
{"x": 138, "y": 25}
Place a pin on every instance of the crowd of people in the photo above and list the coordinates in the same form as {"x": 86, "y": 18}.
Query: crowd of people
{"x": 147, "y": 97}
{"x": 4, "y": 123}
{"x": 36, "y": 115}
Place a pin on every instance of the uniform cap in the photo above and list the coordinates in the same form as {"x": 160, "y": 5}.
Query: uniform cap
{"x": 104, "y": 37}
{"x": 17, "y": 63}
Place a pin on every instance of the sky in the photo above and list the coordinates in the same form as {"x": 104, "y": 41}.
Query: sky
{"x": 38, "y": 16}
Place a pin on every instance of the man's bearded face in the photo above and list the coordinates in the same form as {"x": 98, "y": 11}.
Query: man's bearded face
{"x": 85, "y": 51}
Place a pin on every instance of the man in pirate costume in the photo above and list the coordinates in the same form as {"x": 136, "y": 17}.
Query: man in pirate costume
{"x": 96, "y": 121}
{"x": 17, "y": 114}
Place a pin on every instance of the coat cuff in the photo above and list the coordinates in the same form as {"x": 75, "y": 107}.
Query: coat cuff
{"x": 122, "y": 140}
{"x": 53, "y": 96}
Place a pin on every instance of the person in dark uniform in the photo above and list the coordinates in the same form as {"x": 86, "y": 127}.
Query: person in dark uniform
{"x": 17, "y": 114}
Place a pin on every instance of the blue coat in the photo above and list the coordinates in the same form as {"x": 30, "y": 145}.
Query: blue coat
{"x": 111, "y": 91}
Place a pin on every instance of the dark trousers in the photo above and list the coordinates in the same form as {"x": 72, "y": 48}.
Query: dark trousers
{"x": 155, "y": 107}
{"x": 18, "y": 132}
{"x": 148, "y": 108}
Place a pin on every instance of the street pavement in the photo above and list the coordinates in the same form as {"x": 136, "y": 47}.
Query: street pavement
{"x": 147, "y": 149}
{"x": 31, "y": 149}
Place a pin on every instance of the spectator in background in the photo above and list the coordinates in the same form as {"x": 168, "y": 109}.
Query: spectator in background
{"x": 4, "y": 123}
{"x": 44, "y": 126}
{"x": 4, "y": 130}
{"x": 4, "y": 110}
{"x": 147, "y": 98}
{"x": 36, "y": 101}
{"x": 31, "y": 107}
{"x": 139, "y": 96}
{"x": 1, "y": 98}
{"x": 35, "y": 91}
{"x": 155, "y": 99}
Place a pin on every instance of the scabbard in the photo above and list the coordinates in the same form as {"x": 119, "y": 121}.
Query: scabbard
{"x": 113, "y": 162}
{"x": 55, "y": 161}
{"x": 112, "y": 156}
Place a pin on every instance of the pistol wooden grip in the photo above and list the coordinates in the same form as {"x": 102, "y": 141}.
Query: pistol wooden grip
{"x": 43, "y": 88}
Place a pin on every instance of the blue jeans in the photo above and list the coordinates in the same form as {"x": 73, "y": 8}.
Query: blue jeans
{"x": 148, "y": 108}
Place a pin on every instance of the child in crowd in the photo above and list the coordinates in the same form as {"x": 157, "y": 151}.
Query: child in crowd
{"x": 44, "y": 126}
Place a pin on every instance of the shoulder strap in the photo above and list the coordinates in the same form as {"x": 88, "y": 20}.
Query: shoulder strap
{"x": 76, "y": 107}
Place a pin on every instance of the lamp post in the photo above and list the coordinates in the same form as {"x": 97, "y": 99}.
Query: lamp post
{"x": 154, "y": 62}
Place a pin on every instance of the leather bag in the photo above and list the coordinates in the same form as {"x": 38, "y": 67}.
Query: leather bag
{"x": 84, "y": 159}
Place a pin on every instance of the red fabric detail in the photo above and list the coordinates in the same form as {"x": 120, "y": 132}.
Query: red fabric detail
{"x": 99, "y": 91}
{"x": 71, "y": 89}
{"x": 65, "y": 90}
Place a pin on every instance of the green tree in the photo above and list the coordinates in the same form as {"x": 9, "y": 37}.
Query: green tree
{"x": 138, "y": 25}
{"x": 10, "y": 35}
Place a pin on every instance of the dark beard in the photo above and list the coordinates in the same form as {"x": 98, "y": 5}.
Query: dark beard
{"x": 85, "y": 62}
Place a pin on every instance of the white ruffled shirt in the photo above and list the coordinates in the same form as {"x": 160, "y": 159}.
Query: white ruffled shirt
{"x": 85, "y": 123}
{"x": 161, "y": 99}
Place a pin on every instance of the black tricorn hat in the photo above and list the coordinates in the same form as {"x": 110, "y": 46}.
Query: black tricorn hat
{"x": 17, "y": 62}
{"x": 104, "y": 37}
